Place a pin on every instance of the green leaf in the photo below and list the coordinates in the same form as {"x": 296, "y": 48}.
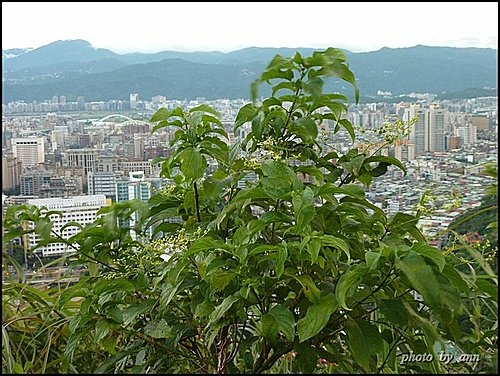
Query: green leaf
{"x": 158, "y": 329}
{"x": 349, "y": 281}
{"x": 317, "y": 317}
{"x": 380, "y": 170}
{"x": 371, "y": 259}
{"x": 449, "y": 296}
{"x": 275, "y": 188}
{"x": 417, "y": 320}
{"x": 305, "y": 128}
{"x": 487, "y": 287}
{"x": 120, "y": 284}
{"x": 167, "y": 293}
{"x": 272, "y": 217}
{"x": 222, "y": 279}
{"x": 303, "y": 206}
{"x": 348, "y": 127}
{"x": 431, "y": 253}
{"x": 268, "y": 326}
{"x": 421, "y": 277}
{"x": 364, "y": 340}
{"x": 269, "y": 74}
{"x": 332, "y": 241}
{"x": 285, "y": 320}
{"x": 403, "y": 223}
{"x": 194, "y": 119}
{"x": 277, "y": 169}
{"x": 134, "y": 310}
{"x": 390, "y": 160}
{"x": 43, "y": 227}
{"x": 314, "y": 86}
{"x": 141, "y": 281}
{"x": 160, "y": 114}
{"x": 193, "y": 163}
{"x": 454, "y": 278}
{"x": 281, "y": 257}
{"x": 115, "y": 314}
{"x": 354, "y": 165}
{"x": 394, "y": 311}
{"x": 207, "y": 243}
{"x": 103, "y": 327}
{"x": 254, "y": 90}
{"x": 307, "y": 358}
{"x": 205, "y": 108}
{"x": 258, "y": 125}
{"x": 312, "y": 171}
{"x": 18, "y": 368}
{"x": 222, "y": 308}
{"x": 71, "y": 224}
{"x": 311, "y": 292}
{"x": 279, "y": 61}
{"x": 283, "y": 85}
{"x": 263, "y": 248}
{"x": 313, "y": 248}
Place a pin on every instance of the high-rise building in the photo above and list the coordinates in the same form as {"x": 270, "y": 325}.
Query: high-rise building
{"x": 134, "y": 98}
{"x": 103, "y": 183}
{"x": 31, "y": 151}
{"x": 80, "y": 103}
{"x": 138, "y": 148}
{"x": 435, "y": 128}
{"x": 467, "y": 133}
{"x": 404, "y": 150}
{"x": 428, "y": 133}
{"x": 417, "y": 135}
{"x": 80, "y": 209}
{"x": 31, "y": 183}
{"x": 84, "y": 158}
{"x": 11, "y": 171}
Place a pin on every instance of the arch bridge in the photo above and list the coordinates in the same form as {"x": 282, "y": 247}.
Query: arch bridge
{"x": 127, "y": 120}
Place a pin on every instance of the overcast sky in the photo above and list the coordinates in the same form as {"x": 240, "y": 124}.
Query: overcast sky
{"x": 220, "y": 26}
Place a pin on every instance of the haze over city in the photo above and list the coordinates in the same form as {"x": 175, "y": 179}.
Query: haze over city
{"x": 220, "y": 26}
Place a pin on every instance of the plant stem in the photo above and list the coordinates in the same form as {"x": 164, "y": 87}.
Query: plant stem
{"x": 196, "y": 201}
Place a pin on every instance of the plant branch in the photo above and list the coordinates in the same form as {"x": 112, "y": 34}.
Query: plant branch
{"x": 196, "y": 201}
{"x": 83, "y": 253}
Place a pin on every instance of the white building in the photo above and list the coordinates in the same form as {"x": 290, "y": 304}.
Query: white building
{"x": 468, "y": 133}
{"x": 80, "y": 209}
{"x": 134, "y": 98}
{"x": 30, "y": 151}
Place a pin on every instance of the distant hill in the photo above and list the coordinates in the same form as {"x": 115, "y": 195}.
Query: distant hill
{"x": 174, "y": 78}
{"x": 60, "y": 51}
{"x": 425, "y": 69}
{"x": 74, "y": 68}
{"x": 61, "y": 71}
{"x": 14, "y": 52}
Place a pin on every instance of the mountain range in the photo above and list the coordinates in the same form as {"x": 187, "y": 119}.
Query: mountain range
{"x": 75, "y": 68}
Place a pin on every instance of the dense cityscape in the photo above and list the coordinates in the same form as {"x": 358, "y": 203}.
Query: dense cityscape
{"x": 80, "y": 156}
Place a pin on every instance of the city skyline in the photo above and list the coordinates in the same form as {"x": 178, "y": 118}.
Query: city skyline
{"x": 225, "y": 27}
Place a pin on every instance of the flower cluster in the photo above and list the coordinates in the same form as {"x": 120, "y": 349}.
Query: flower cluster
{"x": 178, "y": 242}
